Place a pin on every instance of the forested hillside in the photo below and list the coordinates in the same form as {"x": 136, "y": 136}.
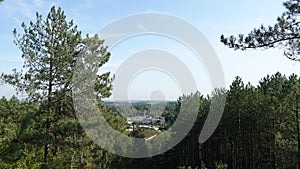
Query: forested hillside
{"x": 259, "y": 129}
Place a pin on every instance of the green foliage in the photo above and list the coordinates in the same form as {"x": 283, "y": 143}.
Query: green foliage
{"x": 220, "y": 165}
{"x": 284, "y": 34}
{"x": 50, "y": 134}
{"x": 189, "y": 167}
{"x": 259, "y": 128}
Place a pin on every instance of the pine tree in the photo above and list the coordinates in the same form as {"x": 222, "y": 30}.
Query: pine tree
{"x": 50, "y": 49}
{"x": 285, "y": 33}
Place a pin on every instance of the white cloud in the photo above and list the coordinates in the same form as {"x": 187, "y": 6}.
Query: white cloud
{"x": 38, "y": 2}
{"x": 140, "y": 26}
{"x": 112, "y": 35}
{"x": 23, "y": 9}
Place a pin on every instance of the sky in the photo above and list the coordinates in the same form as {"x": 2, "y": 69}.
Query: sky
{"x": 212, "y": 18}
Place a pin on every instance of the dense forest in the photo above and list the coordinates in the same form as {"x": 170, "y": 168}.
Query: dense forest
{"x": 259, "y": 128}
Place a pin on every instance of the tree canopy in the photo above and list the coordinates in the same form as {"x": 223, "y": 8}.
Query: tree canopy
{"x": 260, "y": 127}
{"x": 285, "y": 33}
{"x": 50, "y": 49}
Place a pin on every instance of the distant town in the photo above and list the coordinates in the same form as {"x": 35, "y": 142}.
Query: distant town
{"x": 142, "y": 115}
{"x": 146, "y": 122}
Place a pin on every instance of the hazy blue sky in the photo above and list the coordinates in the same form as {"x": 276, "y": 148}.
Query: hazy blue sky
{"x": 212, "y": 18}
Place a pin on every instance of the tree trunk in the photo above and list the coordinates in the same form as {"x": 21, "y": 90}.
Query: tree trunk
{"x": 49, "y": 112}
{"x": 298, "y": 130}
{"x": 72, "y": 159}
{"x": 56, "y": 148}
{"x": 81, "y": 158}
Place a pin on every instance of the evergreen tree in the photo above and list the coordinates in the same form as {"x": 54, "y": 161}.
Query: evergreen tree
{"x": 50, "y": 49}
{"x": 285, "y": 33}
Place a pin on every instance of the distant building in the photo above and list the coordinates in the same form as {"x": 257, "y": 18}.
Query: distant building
{"x": 129, "y": 121}
{"x": 162, "y": 120}
{"x": 146, "y": 120}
